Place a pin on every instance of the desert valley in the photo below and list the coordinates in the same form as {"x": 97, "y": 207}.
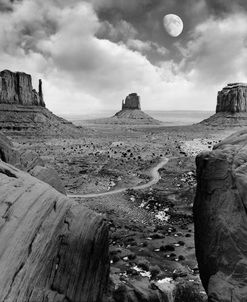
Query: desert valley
{"x": 125, "y": 231}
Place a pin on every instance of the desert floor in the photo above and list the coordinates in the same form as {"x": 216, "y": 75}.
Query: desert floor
{"x": 151, "y": 230}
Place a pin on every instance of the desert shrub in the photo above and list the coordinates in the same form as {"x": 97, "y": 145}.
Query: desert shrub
{"x": 155, "y": 271}
{"x": 187, "y": 293}
{"x": 143, "y": 264}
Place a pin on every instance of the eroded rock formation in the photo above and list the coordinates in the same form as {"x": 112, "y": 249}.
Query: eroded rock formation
{"x": 132, "y": 102}
{"x": 50, "y": 249}
{"x": 232, "y": 98}
{"x": 131, "y": 113}
{"x": 231, "y": 109}
{"x": 16, "y": 88}
{"x": 29, "y": 161}
{"x": 220, "y": 215}
{"x": 22, "y": 108}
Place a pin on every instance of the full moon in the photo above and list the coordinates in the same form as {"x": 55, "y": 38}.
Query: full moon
{"x": 173, "y": 25}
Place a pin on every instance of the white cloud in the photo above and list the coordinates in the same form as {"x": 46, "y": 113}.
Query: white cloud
{"x": 217, "y": 51}
{"x": 83, "y": 73}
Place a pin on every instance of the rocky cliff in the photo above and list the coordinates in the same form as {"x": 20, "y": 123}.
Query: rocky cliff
{"x": 29, "y": 161}
{"x": 22, "y": 109}
{"x": 132, "y": 102}
{"x": 232, "y": 98}
{"x": 50, "y": 249}
{"x": 16, "y": 88}
{"x": 231, "y": 109}
{"x": 220, "y": 215}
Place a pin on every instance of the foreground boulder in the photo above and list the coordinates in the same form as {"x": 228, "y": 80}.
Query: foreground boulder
{"x": 220, "y": 215}
{"x": 7, "y": 152}
{"x": 50, "y": 250}
{"x": 29, "y": 161}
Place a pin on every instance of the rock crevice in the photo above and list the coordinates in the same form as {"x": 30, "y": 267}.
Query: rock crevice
{"x": 221, "y": 219}
{"x": 41, "y": 258}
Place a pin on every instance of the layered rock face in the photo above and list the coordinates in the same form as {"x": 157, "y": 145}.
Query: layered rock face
{"x": 131, "y": 113}
{"x": 22, "y": 108}
{"x": 16, "y": 88}
{"x": 231, "y": 109}
{"x": 220, "y": 215}
{"x": 50, "y": 249}
{"x": 28, "y": 161}
{"x": 132, "y": 102}
{"x": 7, "y": 152}
{"x": 232, "y": 98}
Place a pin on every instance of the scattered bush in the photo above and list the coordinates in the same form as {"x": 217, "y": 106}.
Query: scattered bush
{"x": 143, "y": 264}
{"x": 187, "y": 293}
{"x": 155, "y": 271}
{"x": 167, "y": 248}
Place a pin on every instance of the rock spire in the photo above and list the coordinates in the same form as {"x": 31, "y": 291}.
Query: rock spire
{"x": 16, "y": 88}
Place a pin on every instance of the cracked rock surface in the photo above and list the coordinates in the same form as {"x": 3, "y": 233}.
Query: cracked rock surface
{"x": 50, "y": 249}
{"x": 220, "y": 215}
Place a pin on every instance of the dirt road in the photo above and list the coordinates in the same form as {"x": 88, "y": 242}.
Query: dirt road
{"x": 155, "y": 177}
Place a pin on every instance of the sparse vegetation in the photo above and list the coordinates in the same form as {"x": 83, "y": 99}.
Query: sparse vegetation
{"x": 188, "y": 293}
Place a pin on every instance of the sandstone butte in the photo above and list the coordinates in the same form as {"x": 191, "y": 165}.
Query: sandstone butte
{"x": 50, "y": 249}
{"x": 220, "y": 215}
{"x": 23, "y": 109}
{"x": 131, "y": 112}
{"x": 231, "y": 109}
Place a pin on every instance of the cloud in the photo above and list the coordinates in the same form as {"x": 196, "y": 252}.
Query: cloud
{"x": 121, "y": 31}
{"x": 5, "y": 5}
{"x": 89, "y": 63}
{"x": 216, "y": 52}
{"x": 70, "y": 58}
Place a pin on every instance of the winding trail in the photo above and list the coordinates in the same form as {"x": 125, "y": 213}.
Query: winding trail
{"x": 154, "y": 173}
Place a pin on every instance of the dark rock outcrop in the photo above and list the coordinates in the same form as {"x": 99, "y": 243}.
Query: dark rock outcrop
{"x": 131, "y": 102}
{"x": 29, "y": 161}
{"x": 50, "y": 249}
{"x": 231, "y": 109}
{"x": 16, "y": 88}
{"x": 7, "y": 152}
{"x": 232, "y": 98}
{"x": 50, "y": 176}
{"x": 220, "y": 215}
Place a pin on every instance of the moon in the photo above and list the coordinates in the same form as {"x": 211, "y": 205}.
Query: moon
{"x": 173, "y": 25}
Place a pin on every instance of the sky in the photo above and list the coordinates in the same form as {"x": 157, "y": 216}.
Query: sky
{"x": 91, "y": 54}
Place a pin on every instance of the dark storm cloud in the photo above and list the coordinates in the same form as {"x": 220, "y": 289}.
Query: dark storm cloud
{"x": 6, "y": 5}
{"x": 223, "y": 7}
{"x": 94, "y": 52}
{"x": 146, "y": 19}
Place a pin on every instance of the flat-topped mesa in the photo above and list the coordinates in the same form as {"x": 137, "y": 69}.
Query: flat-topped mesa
{"x": 16, "y": 88}
{"x": 232, "y": 98}
{"x": 132, "y": 102}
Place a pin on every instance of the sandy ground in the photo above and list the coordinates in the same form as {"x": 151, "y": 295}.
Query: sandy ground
{"x": 151, "y": 230}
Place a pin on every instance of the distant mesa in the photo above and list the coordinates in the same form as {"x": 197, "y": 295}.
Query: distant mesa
{"x": 131, "y": 102}
{"x": 131, "y": 112}
{"x": 16, "y": 88}
{"x": 22, "y": 108}
{"x": 231, "y": 109}
{"x": 232, "y": 98}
